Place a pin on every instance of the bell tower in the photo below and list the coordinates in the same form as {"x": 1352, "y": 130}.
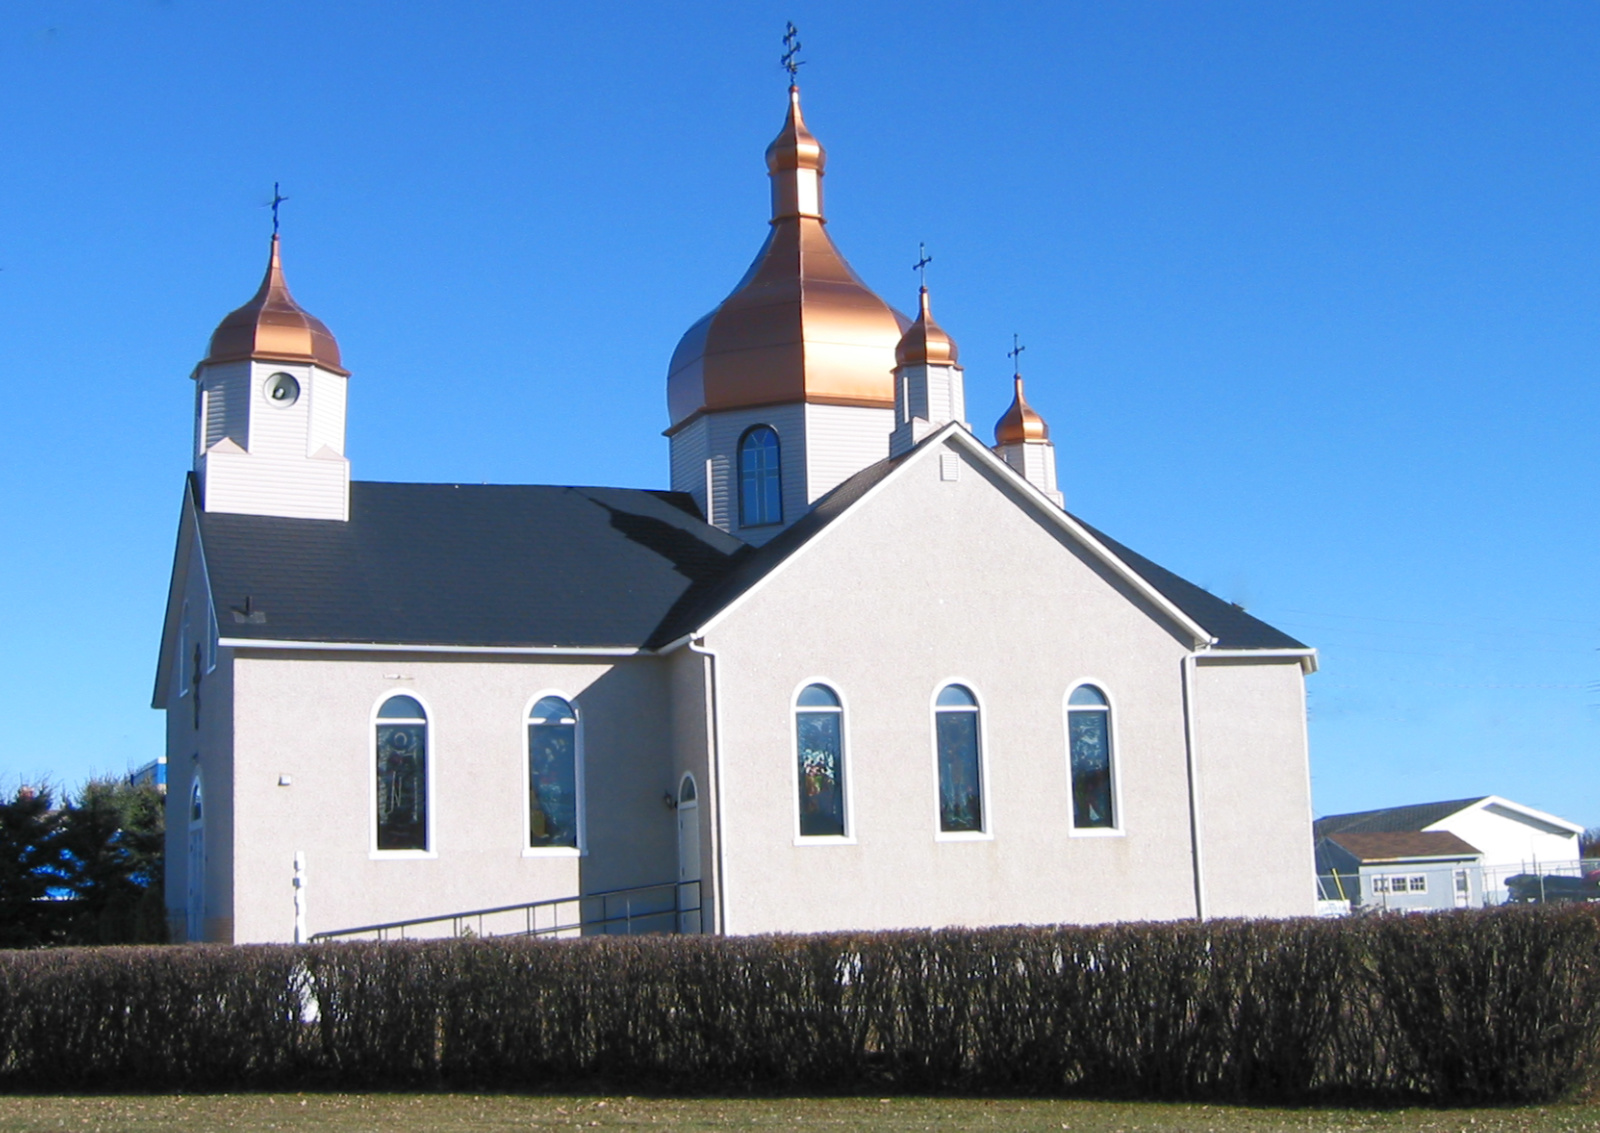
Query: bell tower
{"x": 270, "y": 410}
{"x": 787, "y": 388}
{"x": 928, "y": 384}
{"x": 1022, "y": 440}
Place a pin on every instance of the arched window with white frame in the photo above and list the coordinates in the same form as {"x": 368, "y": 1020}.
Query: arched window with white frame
{"x": 958, "y": 739}
{"x": 553, "y": 785}
{"x": 194, "y": 904}
{"x": 401, "y": 754}
{"x": 1090, "y": 758}
{"x": 819, "y": 747}
{"x": 760, "y": 478}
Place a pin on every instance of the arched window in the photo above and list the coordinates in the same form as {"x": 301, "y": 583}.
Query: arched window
{"x": 552, "y": 774}
{"x": 402, "y": 771}
{"x": 955, "y": 717}
{"x": 194, "y": 905}
{"x": 1089, "y": 737}
{"x": 760, "y": 480}
{"x": 819, "y": 743}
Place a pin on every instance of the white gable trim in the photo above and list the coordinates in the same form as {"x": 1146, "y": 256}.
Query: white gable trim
{"x": 1516, "y": 812}
{"x": 955, "y": 432}
{"x": 190, "y": 547}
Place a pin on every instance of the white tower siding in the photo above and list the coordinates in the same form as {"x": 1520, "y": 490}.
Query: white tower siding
{"x": 819, "y": 446}
{"x": 261, "y": 458}
{"x": 1036, "y": 461}
{"x": 926, "y": 399}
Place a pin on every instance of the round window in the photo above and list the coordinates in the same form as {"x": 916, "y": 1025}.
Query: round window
{"x": 283, "y": 389}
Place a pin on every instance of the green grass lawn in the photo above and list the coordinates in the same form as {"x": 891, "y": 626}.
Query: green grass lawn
{"x": 349, "y": 1113}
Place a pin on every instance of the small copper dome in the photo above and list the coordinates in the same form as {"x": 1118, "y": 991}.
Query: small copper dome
{"x": 925, "y": 343}
{"x": 795, "y": 147}
{"x": 800, "y": 326}
{"x": 1020, "y": 422}
{"x": 273, "y": 327}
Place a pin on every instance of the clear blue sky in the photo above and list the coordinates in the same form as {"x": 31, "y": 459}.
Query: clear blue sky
{"x": 1311, "y": 297}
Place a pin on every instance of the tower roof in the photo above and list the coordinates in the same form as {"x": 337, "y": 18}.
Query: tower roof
{"x": 1020, "y": 423}
{"x": 925, "y": 342}
{"x": 273, "y": 327}
{"x": 800, "y": 326}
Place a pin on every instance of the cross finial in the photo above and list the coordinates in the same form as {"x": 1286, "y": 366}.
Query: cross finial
{"x": 277, "y": 199}
{"x": 791, "y": 53}
{"x": 921, "y": 266}
{"x": 1015, "y": 354}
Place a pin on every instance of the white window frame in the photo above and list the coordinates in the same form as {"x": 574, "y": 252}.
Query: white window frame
{"x": 1118, "y": 827}
{"x": 582, "y": 848}
{"x": 985, "y": 793}
{"x": 848, "y": 838}
{"x": 431, "y": 721}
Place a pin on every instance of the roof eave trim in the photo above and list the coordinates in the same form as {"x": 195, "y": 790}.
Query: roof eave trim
{"x": 1307, "y": 655}
{"x": 406, "y": 647}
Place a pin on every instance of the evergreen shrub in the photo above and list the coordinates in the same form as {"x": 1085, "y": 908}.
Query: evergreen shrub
{"x": 1453, "y": 1008}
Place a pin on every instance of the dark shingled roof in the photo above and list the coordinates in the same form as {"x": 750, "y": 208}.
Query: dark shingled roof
{"x": 1228, "y": 623}
{"x": 1404, "y": 844}
{"x": 1391, "y": 820}
{"x": 537, "y": 565}
{"x": 467, "y": 564}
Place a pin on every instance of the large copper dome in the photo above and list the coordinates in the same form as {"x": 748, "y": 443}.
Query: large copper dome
{"x": 273, "y": 327}
{"x": 800, "y": 326}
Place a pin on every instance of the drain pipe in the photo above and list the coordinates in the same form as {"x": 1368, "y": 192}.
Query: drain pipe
{"x": 710, "y": 655}
{"x": 1192, "y": 757}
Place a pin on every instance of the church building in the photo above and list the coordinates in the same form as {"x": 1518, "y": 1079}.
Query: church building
{"x": 857, "y": 668}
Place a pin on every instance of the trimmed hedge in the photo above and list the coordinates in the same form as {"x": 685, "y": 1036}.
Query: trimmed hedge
{"x": 1469, "y": 1007}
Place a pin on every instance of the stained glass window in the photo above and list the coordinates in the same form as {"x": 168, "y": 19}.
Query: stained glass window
{"x": 1089, "y": 736}
{"x": 960, "y": 772}
{"x": 402, "y": 755}
{"x": 552, "y": 774}
{"x": 819, "y": 741}
{"x": 760, "y": 481}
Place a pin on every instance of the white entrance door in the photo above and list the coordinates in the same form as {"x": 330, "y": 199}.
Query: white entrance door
{"x": 688, "y": 856}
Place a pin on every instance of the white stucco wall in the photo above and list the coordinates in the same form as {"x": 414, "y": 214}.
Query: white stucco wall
{"x": 308, "y": 716}
{"x": 931, "y": 581}
{"x": 1254, "y": 788}
{"x": 204, "y": 751}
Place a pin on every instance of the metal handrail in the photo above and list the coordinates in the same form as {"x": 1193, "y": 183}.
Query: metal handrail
{"x": 683, "y": 902}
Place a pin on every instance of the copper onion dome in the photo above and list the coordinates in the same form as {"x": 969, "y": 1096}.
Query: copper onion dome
{"x": 925, "y": 343}
{"x": 273, "y": 327}
{"x": 800, "y": 326}
{"x": 1020, "y": 422}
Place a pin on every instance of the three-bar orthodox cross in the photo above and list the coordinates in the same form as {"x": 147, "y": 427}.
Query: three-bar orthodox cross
{"x": 921, "y": 266}
{"x": 1015, "y": 354}
{"x": 791, "y": 53}
{"x": 277, "y": 199}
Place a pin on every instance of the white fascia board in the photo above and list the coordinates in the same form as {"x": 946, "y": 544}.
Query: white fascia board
{"x": 188, "y": 535}
{"x": 954, "y": 430}
{"x": 400, "y": 647}
{"x": 1416, "y": 859}
{"x": 1306, "y": 656}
